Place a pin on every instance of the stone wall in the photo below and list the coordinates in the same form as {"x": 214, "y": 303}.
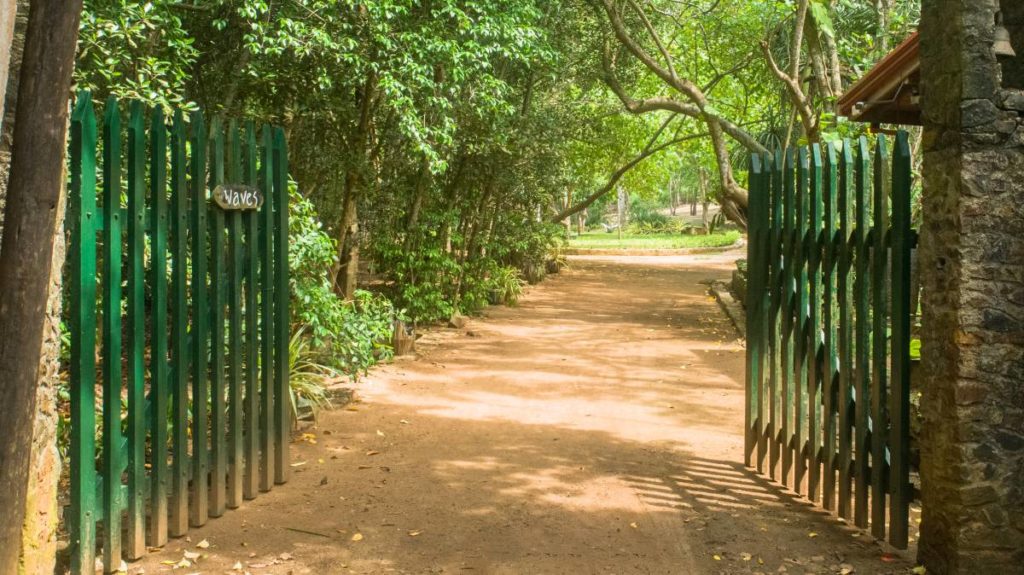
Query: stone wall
{"x": 973, "y": 285}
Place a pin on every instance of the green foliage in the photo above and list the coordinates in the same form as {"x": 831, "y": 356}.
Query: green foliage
{"x": 135, "y": 50}
{"x": 601, "y": 240}
{"x": 349, "y": 336}
{"x": 507, "y": 285}
{"x": 307, "y": 376}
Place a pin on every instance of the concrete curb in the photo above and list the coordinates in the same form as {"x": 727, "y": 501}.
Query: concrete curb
{"x": 732, "y": 308}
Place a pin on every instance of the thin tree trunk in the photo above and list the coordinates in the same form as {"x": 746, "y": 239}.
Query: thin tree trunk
{"x": 346, "y": 273}
{"x": 704, "y": 201}
{"x": 32, "y": 211}
{"x": 413, "y": 218}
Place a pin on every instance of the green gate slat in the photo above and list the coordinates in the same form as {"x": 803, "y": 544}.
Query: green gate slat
{"x": 282, "y": 319}
{"x": 801, "y": 324}
{"x": 813, "y": 360}
{"x": 774, "y": 334}
{"x": 899, "y": 410}
{"x": 763, "y": 302}
{"x": 82, "y": 525}
{"x": 753, "y": 387}
{"x": 879, "y": 341}
{"x": 265, "y": 229}
{"x": 135, "y": 542}
{"x": 252, "y": 408}
{"x": 862, "y": 334}
{"x": 845, "y": 401}
{"x": 199, "y": 509}
{"x": 236, "y": 355}
{"x": 828, "y": 373}
{"x": 112, "y": 375}
{"x": 218, "y": 455}
{"x": 159, "y": 384}
{"x": 789, "y": 313}
{"x": 178, "y": 524}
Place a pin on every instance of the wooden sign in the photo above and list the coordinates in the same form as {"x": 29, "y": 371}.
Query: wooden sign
{"x": 238, "y": 197}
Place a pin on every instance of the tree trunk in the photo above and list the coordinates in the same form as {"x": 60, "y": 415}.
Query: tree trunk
{"x": 704, "y": 201}
{"x": 346, "y": 274}
{"x": 346, "y": 278}
{"x": 32, "y": 211}
{"x": 412, "y": 220}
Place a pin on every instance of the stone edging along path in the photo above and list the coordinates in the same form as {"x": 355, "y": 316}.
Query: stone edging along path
{"x": 651, "y": 252}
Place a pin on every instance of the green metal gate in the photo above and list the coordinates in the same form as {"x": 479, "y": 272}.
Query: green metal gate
{"x": 828, "y": 328}
{"x": 189, "y": 302}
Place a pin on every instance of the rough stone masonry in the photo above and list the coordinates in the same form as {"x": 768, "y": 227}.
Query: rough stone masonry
{"x": 973, "y": 289}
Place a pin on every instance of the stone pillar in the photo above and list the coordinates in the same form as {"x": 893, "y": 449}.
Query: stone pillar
{"x": 972, "y": 271}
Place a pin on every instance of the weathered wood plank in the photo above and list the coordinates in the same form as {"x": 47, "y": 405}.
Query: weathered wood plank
{"x": 800, "y": 431}
{"x": 777, "y": 280}
{"x": 252, "y": 262}
{"x": 862, "y": 333}
{"x": 135, "y": 541}
{"x": 82, "y": 525}
{"x": 158, "y": 363}
{"x": 829, "y": 356}
{"x": 879, "y": 340}
{"x": 845, "y": 353}
{"x": 266, "y": 279}
{"x": 218, "y": 289}
{"x": 282, "y": 316}
{"x": 789, "y": 279}
{"x": 899, "y": 408}
{"x": 178, "y": 524}
{"x": 199, "y": 510}
{"x": 236, "y": 352}
{"x": 112, "y": 349}
{"x": 813, "y": 359}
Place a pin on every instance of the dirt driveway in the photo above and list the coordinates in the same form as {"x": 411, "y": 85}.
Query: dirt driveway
{"x": 596, "y": 428}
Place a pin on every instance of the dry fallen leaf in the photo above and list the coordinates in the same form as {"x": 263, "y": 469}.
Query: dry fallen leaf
{"x": 812, "y": 534}
{"x": 633, "y": 525}
{"x": 191, "y": 555}
{"x": 357, "y": 537}
{"x": 380, "y": 433}
{"x": 415, "y": 532}
{"x": 371, "y": 452}
{"x": 717, "y": 558}
{"x": 404, "y": 422}
{"x": 746, "y": 556}
{"x": 237, "y": 566}
{"x": 203, "y": 544}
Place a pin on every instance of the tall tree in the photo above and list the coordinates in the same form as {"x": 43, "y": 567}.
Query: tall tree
{"x": 33, "y": 206}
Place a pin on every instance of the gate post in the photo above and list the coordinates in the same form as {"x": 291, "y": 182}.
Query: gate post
{"x": 972, "y": 249}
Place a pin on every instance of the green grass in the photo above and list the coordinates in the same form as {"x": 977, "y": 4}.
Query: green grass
{"x": 601, "y": 240}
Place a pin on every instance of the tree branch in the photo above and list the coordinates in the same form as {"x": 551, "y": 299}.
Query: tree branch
{"x": 647, "y": 152}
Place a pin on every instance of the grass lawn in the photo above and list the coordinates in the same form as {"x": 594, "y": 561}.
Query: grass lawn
{"x": 601, "y": 240}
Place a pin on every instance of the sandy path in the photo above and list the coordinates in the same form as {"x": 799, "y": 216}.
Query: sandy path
{"x": 593, "y": 429}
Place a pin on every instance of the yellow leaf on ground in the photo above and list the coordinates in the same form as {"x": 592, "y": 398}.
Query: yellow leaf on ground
{"x": 357, "y": 537}
{"x": 415, "y": 532}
